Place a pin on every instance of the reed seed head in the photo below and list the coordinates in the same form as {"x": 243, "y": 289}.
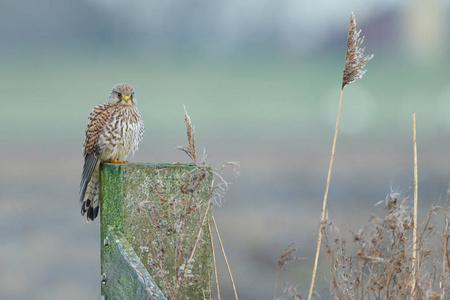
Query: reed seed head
{"x": 354, "y": 59}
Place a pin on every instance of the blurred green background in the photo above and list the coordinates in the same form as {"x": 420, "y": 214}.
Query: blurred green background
{"x": 260, "y": 80}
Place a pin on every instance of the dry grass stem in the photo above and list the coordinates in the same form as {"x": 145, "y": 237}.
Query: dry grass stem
{"x": 214, "y": 261}
{"x": 378, "y": 263}
{"x": 354, "y": 59}
{"x": 291, "y": 292}
{"x": 209, "y": 276}
{"x": 225, "y": 257}
{"x": 286, "y": 255}
{"x": 218, "y": 187}
{"x": 192, "y": 253}
{"x": 354, "y": 62}
{"x": 190, "y": 131}
{"x": 325, "y": 197}
{"x": 415, "y": 257}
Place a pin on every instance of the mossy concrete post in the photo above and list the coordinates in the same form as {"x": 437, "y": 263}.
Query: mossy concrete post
{"x": 153, "y": 218}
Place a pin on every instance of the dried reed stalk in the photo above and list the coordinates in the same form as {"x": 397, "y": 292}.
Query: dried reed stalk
{"x": 177, "y": 290}
{"x": 214, "y": 261}
{"x": 286, "y": 255}
{"x": 353, "y": 70}
{"x": 225, "y": 257}
{"x": 190, "y": 131}
{"x": 354, "y": 58}
{"x": 415, "y": 260}
{"x": 209, "y": 276}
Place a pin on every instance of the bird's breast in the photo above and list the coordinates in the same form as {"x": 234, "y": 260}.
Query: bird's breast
{"x": 120, "y": 134}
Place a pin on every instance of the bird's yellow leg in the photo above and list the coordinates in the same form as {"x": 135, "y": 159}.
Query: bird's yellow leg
{"x": 121, "y": 161}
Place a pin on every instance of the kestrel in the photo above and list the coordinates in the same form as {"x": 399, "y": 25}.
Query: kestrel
{"x": 114, "y": 131}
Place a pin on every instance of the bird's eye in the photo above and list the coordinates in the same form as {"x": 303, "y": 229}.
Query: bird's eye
{"x": 119, "y": 95}
{"x": 132, "y": 95}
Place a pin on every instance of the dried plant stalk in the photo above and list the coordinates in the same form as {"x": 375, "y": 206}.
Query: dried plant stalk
{"x": 225, "y": 257}
{"x": 217, "y": 191}
{"x": 175, "y": 294}
{"x": 378, "y": 262}
{"x": 324, "y": 206}
{"x": 190, "y": 131}
{"x": 214, "y": 262}
{"x": 354, "y": 62}
{"x": 354, "y": 59}
{"x": 291, "y": 292}
{"x": 209, "y": 276}
{"x": 286, "y": 255}
{"x": 415, "y": 266}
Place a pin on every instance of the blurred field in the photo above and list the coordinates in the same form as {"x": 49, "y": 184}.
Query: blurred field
{"x": 275, "y": 116}
{"x": 277, "y": 97}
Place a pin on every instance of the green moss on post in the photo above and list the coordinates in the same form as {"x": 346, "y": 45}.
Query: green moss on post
{"x": 159, "y": 209}
{"x": 124, "y": 275}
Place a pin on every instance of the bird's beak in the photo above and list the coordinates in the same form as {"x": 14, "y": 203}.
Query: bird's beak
{"x": 126, "y": 101}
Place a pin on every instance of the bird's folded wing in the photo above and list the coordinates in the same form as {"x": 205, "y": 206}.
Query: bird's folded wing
{"x": 92, "y": 150}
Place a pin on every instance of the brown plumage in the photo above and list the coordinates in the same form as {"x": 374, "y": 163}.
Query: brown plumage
{"x": 114, "y": 131}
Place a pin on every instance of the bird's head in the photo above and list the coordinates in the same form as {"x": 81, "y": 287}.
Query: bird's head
{"x": 122, "y": 94}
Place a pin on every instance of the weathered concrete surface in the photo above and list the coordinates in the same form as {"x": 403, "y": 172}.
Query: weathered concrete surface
{"x": 125, "y": 277}
{"x": 159, "y": 209}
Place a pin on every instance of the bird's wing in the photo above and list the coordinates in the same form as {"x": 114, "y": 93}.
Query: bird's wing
{"x": 139, "y": 132}
{"x": 92, "y": 149}
{"x": 141, "y": 129}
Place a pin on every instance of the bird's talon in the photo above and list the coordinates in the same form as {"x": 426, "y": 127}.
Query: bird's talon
{"x": 115, "y": 161}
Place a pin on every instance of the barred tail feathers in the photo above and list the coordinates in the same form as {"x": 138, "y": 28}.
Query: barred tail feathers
{"x": 90, "y": 201}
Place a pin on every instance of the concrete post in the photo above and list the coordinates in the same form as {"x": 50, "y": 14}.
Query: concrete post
{"x": 152, "y": 218}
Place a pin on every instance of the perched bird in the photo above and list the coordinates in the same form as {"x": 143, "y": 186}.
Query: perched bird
{"x": 114, "y": 131}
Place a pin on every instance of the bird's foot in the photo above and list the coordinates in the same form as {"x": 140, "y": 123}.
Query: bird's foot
{"x": 115, "y": 161}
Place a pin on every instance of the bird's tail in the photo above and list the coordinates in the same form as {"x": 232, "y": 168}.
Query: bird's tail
{"x": 90, "y": 201}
